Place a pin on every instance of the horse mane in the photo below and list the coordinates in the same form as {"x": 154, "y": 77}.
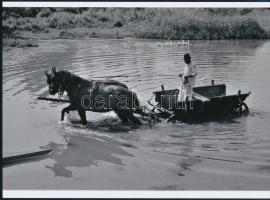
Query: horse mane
{"x": 71, "y": 79}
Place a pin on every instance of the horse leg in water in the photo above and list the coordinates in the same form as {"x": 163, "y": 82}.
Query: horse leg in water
{"x": 132, "y": 118}
{"x": 66, "y": 110}
{"x": 82, "y": 115}
{"x": 122, "y": 115}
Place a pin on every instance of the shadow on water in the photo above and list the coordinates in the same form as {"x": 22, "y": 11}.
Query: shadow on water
{"x": 88, "y": 145}
{"x": 84, "y": 151}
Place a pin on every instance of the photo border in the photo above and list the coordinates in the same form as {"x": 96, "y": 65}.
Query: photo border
{"x": 134, "y": 193}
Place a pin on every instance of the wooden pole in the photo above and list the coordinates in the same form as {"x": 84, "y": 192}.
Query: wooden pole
{"x": 162, "y": 87}
{"x": 53, "y": 99}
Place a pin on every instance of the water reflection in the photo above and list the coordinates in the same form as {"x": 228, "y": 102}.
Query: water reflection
{"x": 84, "y": 151}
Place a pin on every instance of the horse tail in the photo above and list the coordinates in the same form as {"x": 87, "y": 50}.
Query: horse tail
{"x": 136, "y": 104}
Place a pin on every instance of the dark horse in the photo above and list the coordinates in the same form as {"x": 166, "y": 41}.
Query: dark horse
{"x": 97, "y": 96}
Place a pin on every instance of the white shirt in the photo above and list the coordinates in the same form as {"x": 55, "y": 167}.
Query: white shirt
{"x": 190, "y": 69}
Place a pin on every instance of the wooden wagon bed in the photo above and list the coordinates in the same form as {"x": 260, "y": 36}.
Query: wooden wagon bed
{"x": 207, "y": 101}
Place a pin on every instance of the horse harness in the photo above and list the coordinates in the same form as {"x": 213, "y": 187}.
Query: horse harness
{"x": 94, "y": 86}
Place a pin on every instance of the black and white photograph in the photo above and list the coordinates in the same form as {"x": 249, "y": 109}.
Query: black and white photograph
{"x": 142, "y": 97}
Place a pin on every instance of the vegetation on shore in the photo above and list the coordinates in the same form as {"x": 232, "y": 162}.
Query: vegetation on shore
{"x": 159, "y": 23}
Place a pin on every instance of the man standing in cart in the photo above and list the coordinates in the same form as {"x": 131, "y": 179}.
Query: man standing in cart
{"x": 188, "y": 79}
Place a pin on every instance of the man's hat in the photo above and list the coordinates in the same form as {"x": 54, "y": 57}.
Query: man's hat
{"x": 187, "y": 55}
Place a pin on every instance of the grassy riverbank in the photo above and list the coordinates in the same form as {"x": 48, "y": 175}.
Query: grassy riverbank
{"x": 159, "y": 23}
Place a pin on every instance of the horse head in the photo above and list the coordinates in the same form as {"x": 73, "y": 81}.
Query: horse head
{"x": 54, "y": 81}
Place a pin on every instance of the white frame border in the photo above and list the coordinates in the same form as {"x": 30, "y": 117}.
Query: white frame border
{"x": 136, "y": 193}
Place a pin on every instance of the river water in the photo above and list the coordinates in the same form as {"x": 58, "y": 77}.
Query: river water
{"x": 231, "y": 154}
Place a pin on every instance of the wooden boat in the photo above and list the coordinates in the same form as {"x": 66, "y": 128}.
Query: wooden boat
{"x": 207, "y": 101}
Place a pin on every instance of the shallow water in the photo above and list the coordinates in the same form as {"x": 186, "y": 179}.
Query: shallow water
{"x": 228, "y": 154}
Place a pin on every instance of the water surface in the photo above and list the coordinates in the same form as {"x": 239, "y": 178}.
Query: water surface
{"x": 231, "y": 154}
